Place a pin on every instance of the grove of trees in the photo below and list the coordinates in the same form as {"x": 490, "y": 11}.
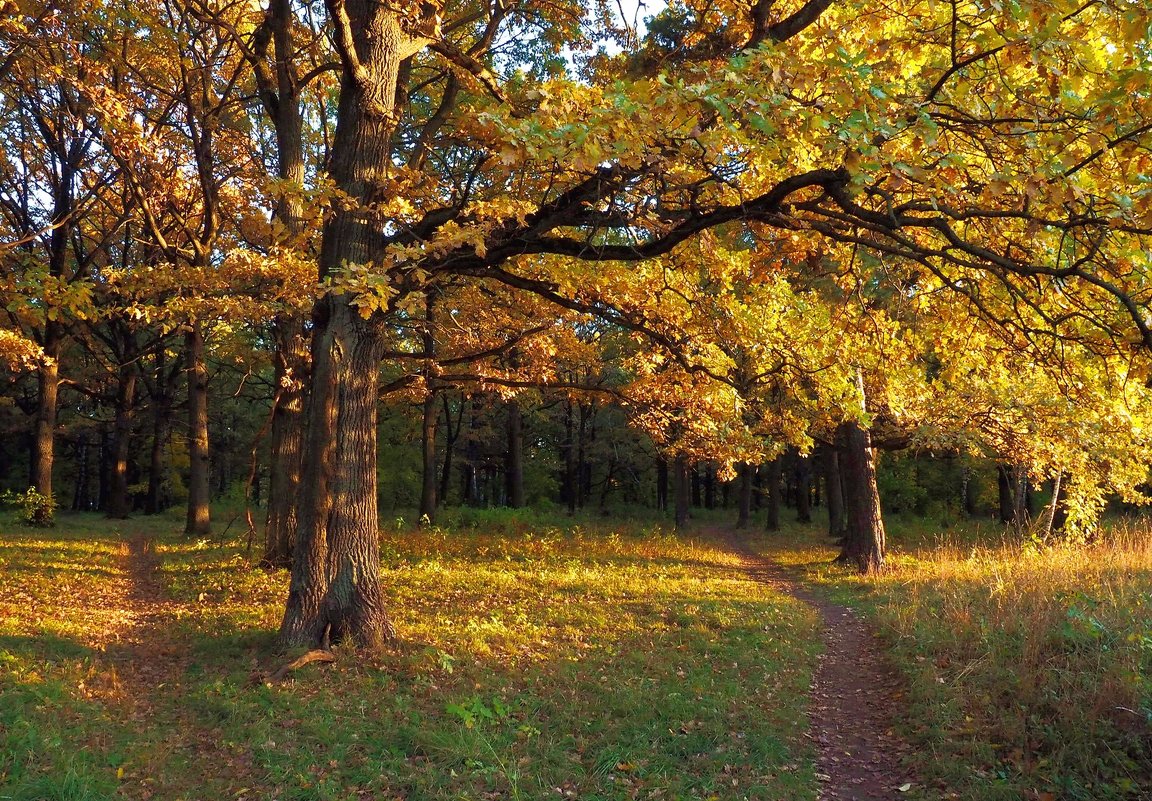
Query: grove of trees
{"x": 319, "y": 256}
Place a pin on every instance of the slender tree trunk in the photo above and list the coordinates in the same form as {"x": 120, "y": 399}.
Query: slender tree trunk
{"x": 833, "y": 491}
{"x": 156, "y": 501}
{"x": 451, "y": 434}
{"x": 514, "y": 463}
{"x": 286, "y": 447}
{"x": 119, "y": 504}
{"x": 697, "y": 497}
{"x": 682, "y": 490}
{"x": 864, "y": 537}
{"x": 773, "y": 511}
{"x": 286, "y": 451}
{"x": 709, "y": 486}
{"x": 568, "y": 457}
{"x": 803, "y": 478}
{"x": 431, "y": 416}
{"x": 199, "y": 522}
{"x": 745, "y": 501}
{"x": 661, "y": 484}
{"x": 1007, "y": 504}
{"x": 968, "y": 492}
{"x": 44, "y": 438}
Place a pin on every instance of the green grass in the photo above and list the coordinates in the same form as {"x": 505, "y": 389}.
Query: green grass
{"x": 535, "y": 661}
{"x": 1029, "y": 668}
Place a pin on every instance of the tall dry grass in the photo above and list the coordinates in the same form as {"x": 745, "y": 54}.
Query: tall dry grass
{"x": 1030, "y": 666}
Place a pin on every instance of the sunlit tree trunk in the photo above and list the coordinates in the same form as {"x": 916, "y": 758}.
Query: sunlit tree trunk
{"x": 287, "y": 443}
{"x": 335, "y": 590}
{"x": 864, "y": 536}
{"x": 44, "y": 437}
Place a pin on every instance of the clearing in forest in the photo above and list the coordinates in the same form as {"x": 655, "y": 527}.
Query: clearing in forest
{"x": 534, "y": 663}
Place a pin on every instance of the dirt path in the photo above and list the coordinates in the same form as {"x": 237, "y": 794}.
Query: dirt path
{"x": 146, "y": 681}
{"x": 854, "y": 698}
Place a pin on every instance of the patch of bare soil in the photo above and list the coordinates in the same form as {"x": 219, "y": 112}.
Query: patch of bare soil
{"x": 855, "y": 695}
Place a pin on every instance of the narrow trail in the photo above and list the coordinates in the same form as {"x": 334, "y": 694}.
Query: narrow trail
{"x": 145, "y": 677}
{"x": 854, "y": 698}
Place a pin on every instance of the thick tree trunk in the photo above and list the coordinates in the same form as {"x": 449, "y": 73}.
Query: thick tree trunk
{"x": 429, "y": 420}
{"x": 119, "y": 504}
{"x": 44, "y": 436}
{"x": 833, "y": 491}
{"x": 697, "y": 497}
{"x": 864, "y": 537}
{"x": 514, "y": 460}
{"x": 199, "y": 522}
{"x": 772, "y": 523}
{"x": 802, "y": 475}
{"x": 745, "y": 501}
{"x": 335, "y": 589}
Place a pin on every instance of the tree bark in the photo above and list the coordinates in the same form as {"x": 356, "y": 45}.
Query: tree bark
{"x": 199, "y": 520}
{"x": 864, "y": 536}
{"x": 335, "y": 590}
{"x": 282, "y": 105}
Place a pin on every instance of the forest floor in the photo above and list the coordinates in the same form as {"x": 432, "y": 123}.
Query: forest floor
{"x": 601, "y": 663}
{"x": 581, "y": 659}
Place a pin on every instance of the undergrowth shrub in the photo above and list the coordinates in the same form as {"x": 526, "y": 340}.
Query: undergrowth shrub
{"x": 32, "y": 508}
